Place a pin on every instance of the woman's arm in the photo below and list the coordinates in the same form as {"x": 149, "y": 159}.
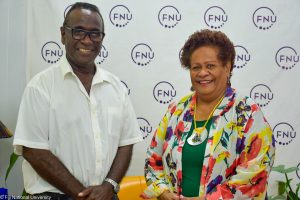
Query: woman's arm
{"x": 249, "y": 173}
{"x": 154, "y": 169}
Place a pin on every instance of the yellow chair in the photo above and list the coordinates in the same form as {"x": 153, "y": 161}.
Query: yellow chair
{"x": 131, "y": 187}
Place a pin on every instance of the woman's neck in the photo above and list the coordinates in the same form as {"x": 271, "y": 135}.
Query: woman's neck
{"x": 205, "y": 106}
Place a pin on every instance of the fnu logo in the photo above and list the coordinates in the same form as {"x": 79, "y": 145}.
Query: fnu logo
{"x": 120, "y": 16}
{"x": 51, "y": 52}
{"x": 242, "y": 57}
{"x": 164, "y": 92}
{"x": 264, "y": 18}
{"x": 215, "y": 17}
{"x": 169, "y": 16}
{"x": 103, "y": 54}
{"x": 284, "y": 133}
{"x": 286, "y": 57}
{"x": 261, "y": 94}
{"x": 142, "y": 54}
{"x": 145, "y": 127}
{"x": 126, "y": 86}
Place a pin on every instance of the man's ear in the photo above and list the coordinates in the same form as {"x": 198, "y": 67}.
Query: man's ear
{"x": 62, "y": 34}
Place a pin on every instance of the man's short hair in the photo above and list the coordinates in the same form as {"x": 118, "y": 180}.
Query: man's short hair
{"x": 82, "y": 5}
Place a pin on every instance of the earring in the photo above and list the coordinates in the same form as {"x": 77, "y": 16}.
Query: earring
{"x": 228, "y": 79}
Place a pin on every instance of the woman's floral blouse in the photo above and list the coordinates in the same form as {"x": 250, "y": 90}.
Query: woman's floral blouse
{"x": 238, "y": 156}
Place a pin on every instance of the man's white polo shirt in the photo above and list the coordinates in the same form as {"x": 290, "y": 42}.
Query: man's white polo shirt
{"x": 83, "y": 131}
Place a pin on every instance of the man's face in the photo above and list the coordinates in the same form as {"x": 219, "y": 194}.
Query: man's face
{"x": 82, "y": 53}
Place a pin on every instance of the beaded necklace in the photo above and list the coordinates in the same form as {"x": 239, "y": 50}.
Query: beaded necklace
{"x": 200, "y": 133}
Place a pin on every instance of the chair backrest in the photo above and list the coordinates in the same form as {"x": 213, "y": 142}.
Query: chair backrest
{"x": 132, "y": 187}
{"x": 4, "y": 131}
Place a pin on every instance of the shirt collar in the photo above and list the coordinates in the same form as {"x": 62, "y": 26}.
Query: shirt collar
{"x": 99, "y": 77}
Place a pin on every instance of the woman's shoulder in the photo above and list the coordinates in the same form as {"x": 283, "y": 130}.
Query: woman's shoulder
{"x": 186, "y": 98}
{"x": 244, "y": 102}
{"x": 181, "y": 104}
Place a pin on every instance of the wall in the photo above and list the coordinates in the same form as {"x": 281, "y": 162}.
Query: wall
{"x": 13, "y": 18}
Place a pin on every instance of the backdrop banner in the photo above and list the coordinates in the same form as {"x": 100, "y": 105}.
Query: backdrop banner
{"x": 142, "y": 47}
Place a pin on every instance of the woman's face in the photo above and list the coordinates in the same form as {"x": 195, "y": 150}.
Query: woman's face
{"x": 208, "y": 75}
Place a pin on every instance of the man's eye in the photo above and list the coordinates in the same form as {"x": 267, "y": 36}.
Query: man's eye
{"x": 95, "y": 34}
{"x": 78, "y": 32}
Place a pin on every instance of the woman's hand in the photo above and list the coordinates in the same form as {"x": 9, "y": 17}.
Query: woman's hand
{"x": 192, "y": 198}
{"x": 167, "y": 195}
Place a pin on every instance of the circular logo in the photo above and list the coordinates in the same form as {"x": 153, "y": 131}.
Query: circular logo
{"x": 51, "y": 52}
{"x": 164, "y": 92}
{"x": 261, "y": 94}
{"x": 286, "y": 57}
{"x": 215, "y": 17}
{"x": 120, "y": 16}
{"x": 284, "y": 133}
{"x": 67, "y": 9}
{"x": 145, "y": 127}
{"x": 142, "y": 54}
{"x": 264, "y": 18}
{"x": 103, "y": 54}
{"x": 169, "y": 16}
{"x": 127, "y": 88}
{"x": 180, "y": 54}
{"x": 242, "y": 57}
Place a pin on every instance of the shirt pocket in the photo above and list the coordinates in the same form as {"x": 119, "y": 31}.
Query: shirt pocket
{"x": 115, "y": 121}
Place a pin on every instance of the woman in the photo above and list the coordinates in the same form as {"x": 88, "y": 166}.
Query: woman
{"x": 214, "y": 143}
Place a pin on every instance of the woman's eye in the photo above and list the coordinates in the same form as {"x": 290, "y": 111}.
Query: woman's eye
{"x": 196, "y": 68}
{"x": 210, "y": 66}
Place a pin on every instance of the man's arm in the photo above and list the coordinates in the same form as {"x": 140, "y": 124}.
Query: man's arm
{"x": 50, "y": 168}
{"x": 117, "y": 172}
{"x": 121, "y": 163}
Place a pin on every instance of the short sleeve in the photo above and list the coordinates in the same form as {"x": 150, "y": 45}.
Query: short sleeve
{"x": 32, "y": 124}
{"x": 131, "y": 133}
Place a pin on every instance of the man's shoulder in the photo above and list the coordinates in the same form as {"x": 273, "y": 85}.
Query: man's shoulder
{"x": 44, "y": 77}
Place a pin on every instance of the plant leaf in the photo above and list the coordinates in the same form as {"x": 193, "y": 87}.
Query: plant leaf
{"x": 291, "y": 169}
{"x": 297, "y": 189}
{"x": 281, "y": 187}
{"x": 25, "y": 194}
{"x": 293, "y": 195}
{"x": 277, "y": 197}
{"x": 279, "y": 168}
{"x": 13, "y": 158}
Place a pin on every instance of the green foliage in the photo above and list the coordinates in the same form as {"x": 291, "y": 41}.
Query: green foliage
{"x": 285, "y": 190}
{"x": 13, "y": 158}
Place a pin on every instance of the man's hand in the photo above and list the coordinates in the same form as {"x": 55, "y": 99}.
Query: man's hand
{"x": 99, "y": 192}
{"x": 167, "y": 195}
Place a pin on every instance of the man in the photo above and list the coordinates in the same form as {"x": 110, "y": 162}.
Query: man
{"x": 76, "y": 126}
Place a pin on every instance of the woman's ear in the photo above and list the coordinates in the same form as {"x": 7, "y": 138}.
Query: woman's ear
{"x": 228, "y": 67}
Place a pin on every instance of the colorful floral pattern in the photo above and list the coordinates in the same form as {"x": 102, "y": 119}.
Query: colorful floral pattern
{"x": 238, "y": 157}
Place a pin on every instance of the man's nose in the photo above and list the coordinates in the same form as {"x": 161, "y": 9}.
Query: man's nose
{"x": 86, "y": 39}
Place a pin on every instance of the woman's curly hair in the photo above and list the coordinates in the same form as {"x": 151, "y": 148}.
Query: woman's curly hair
{"x": 208, "y": 38}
